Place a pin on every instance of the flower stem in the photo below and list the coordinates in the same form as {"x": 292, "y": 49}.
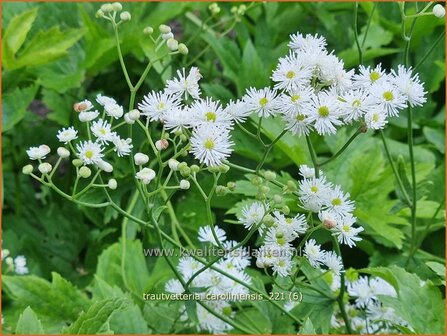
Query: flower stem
{"x": 313, "y": 156}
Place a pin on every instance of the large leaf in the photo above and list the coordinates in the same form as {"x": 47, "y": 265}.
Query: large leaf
{"x": 15, "y": 35}
{"x": 14, "y": 105}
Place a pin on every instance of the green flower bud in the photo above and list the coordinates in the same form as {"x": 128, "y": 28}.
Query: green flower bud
{"x": 85, "y": 172}
{"x": 269, "y": 175}
{"x": 172, "y": 44}
{"x": 231, "y": 186}
{"x": 164, "y": 29}
{"x": 45, "y": 168}
{"x": 278, "y": 199}
{"x": 112, "y": 184}
{"x": 28, "y": 169}
{"x": 148, "y": 30}
{"x": 182, "y": 49}
{"x": 268, "y": 220}
{"x": 221, "y": 190}
{"x": 195, "y": 168}
{"x": 184, "y": 184}
{"x": 256, "y": 180}
{"x": 99, "y": 13}
{"x": 125, "y": 16}
{"x": 213, "y": 169}
{"x": 223, "y": 168}
{"x": 182, "y": 165}
{"x": 261, "y": 196}
{"x": 291, "y": 185}
{"x": 185, "y": 171}
{"x": 107, "y": 8}
{"x": 183, "y": 138}
{"x": 285, "y": 210}
{"x": 77, "y": 162}
{"x": 117, "y": 6}
{"x": 264, "y": 189}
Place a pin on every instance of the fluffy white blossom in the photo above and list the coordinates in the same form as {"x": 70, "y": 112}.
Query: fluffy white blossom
{"x": 38, "y": 153}
{"x": 145, "y": 175}
{"x": 156, "y": 104}
{"x": 66, "y": 135}
{"x": 263, "y": 102}
{"x": 206, "y": 235}
{"x": 211, "y": 144}
{"x": 89, "y": 152}
{"x": 185, "y": 85}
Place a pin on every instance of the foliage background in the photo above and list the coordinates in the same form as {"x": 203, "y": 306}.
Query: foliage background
{"x": 68, "y": 55}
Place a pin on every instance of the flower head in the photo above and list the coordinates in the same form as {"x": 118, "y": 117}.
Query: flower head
{"x": 211, "y": 144}
{"x": 66, "y": 135}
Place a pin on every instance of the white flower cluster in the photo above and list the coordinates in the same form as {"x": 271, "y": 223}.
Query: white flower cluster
{"x": 313, "y": 91}
{"x": 233, "y": 263}
{"x": 367, "y": 313}
{"x": 16, "y": 265}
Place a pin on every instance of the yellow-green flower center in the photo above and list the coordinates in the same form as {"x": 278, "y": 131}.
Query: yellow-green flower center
{"x": 161, "y": 106}
{"x": 388, "y": 96}
{"x": 103, "y": 131}
{"x": 289, "y": 220}
{"x": 227, "y": 311}
{"x": 375, "y": 117}
{"x": 294, "y": 98}
{"x": 89, "y": 154}
{"x": 209, "y": 144}
{"x": 290, "y": 74}
{"x": 374, "y": 75}
{"x": 356, "y": 103}
{"x": 300, "y": 117}
{"x": 323, "y": 111}
{"x": 210, "y": 116}
{"x": 314, "y": 189}
{"x": 346, "y": 228}
{"x": 336, "y": 201}
{"x": 263, "y": 101}
{"x": 282, "y": 263}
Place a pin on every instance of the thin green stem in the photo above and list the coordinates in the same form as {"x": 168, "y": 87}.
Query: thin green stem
{"x": 268, "y": 149}
{"x": 120, "y": 56}
{"x": 368, "y": 24}
{"x": 313, "y": 156}
{"x": 356, "y": 34}
{"x": 430, "y": 50}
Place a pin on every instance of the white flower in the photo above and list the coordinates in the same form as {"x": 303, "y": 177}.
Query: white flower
{"x": 252, "y": 214}
{"x": 410, "y": 86}
{"x": 237, "y": 110}
{"x": 206, "y": 235}
{"x": 145, "y": 175}
{"x": 388, "y": 97}
{"x": 312, "y": 193}
{"x": 140, "y": 159}
{"x": 38, "y": 153}
{"x": 294, "y": 102}
{"x": 263, "y": 102}
{"x": 438, "y": 11}
{"x": 376, "y": 119}
{"x": 211, "y": 144}
{"x": 104, "y": 165}
{"x": 66, "y": 135}
{"x": 114, "y": 110}
{"x": 123, "y": 147}
{"x": 307, "y": 172}
{"x": 88, "y": 115}
{"x": 294, "y": 226}
{"x": 278, "y": 238}
{"x": 188, "y": 266}
{"x": 184, "y": 85}
{"x": 102, "y": 130}
{"x": 345, "y": 232}
{"x": 89, "y": 152}
{"x": 297, "y": 124}
{"x": 354, "y": 104}
{"x": 324, "y": 111}
{"x": 207, "y": 111}
{"x": 369, "y": 76}
{"x": 104, "y": 100}
{"x": 176, "y": 119}
{"x": 361, "y": 290}
{"x": 313, "y": 253}
{"x": 174, "y": 286}
{"x": 332, "y": 73}
{"x": 282, "y": 266}
{"x": 291, "y": 73}
{"x": 333, "y": 262}
{"x": 20, "y": 265}
{"x": 309, "y": 43}
{"x": 381, "y": 287}
{"x": 328, "y": 218}
{"x": 156, "y": 104}
{"x": 339, "y": 203}
{"x": 211, "y": 323}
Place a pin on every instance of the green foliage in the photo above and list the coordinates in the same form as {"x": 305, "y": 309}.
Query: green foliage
{"x": 28, "y": 323}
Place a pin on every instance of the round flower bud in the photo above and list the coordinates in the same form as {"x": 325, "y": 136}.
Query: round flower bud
{"x": 242, "y": 9}
{"x": 352, "y": 275}
{"x": 28, "y": 169}
{"x": 148, "y": 30}
{"x": 213, "y": 169}
{"x": 183, "y": 138}
{"x": 268, "y": 220}
{"x": 167, "y": 36}
{"x": 233, "y": 10}
{"x": 77, "y": 162}
{"x": 45, "y": 168}
{"x": 227, "y": 311}
{"x": 172, "y": 44}
{"x": 80, "y": 107}
{"x": 161, "y": 144}
{"x": 269, "y": 175}
{"x": 173, "y": 164}
{"x": 140, "y": 159}
{"x": 329, "y": 223}
{"x": 128, "y": 120}
{"x": 63, "y": 152}
{"x": 117, "y": 6}
{"x": 184, "y": 184}
{"x": 260, "y": 196}
{"x": 291, "y": 185}
{"x": 195, "y": 168}
{"x": 107, "y": 8}
{"x": 85, "y": 172}
{"x": 259, "y": 263}
{"x": 185, "y": 171}
{"x": 112, "y": 184}
{"x": 231, "y": 186}
{"x": 125, "y": 16}
{"x": 103, "y": 165}
{"x": 164, "y": 29}
{"x": 223, "y": 168}
{"x": 9, "y": 261}
{"x": 99, "y": 13}
{"x": 285, "y": 210}
{"x": 221, "y": 190}
{"x": 264, "y": 189}
{"x": 134, "y": 114}
{"x": 183, "y": 49}
{"x": 182, "y": 165}
{"x": 439, "y": 10}
{"x": 256, "y": 180}
{"x": 278, "y": 199}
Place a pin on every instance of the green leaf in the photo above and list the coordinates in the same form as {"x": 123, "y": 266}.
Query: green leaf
{"x": 308, "y": 328}
{"x": 43, "y": 296}
{"x": 28, "y": 323}
{"x": 14, "y": 105}
{"x": 438, "y": 268}
{"x": 420, "y": 304}
{"x": 47, "y": 46}
{"x": 60, "y": 106}
{"x": 95, "y": 318}
{"x": 253, "y": 320}
{"x": 15, "y": 35}
{"x": 436, "y": 137}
